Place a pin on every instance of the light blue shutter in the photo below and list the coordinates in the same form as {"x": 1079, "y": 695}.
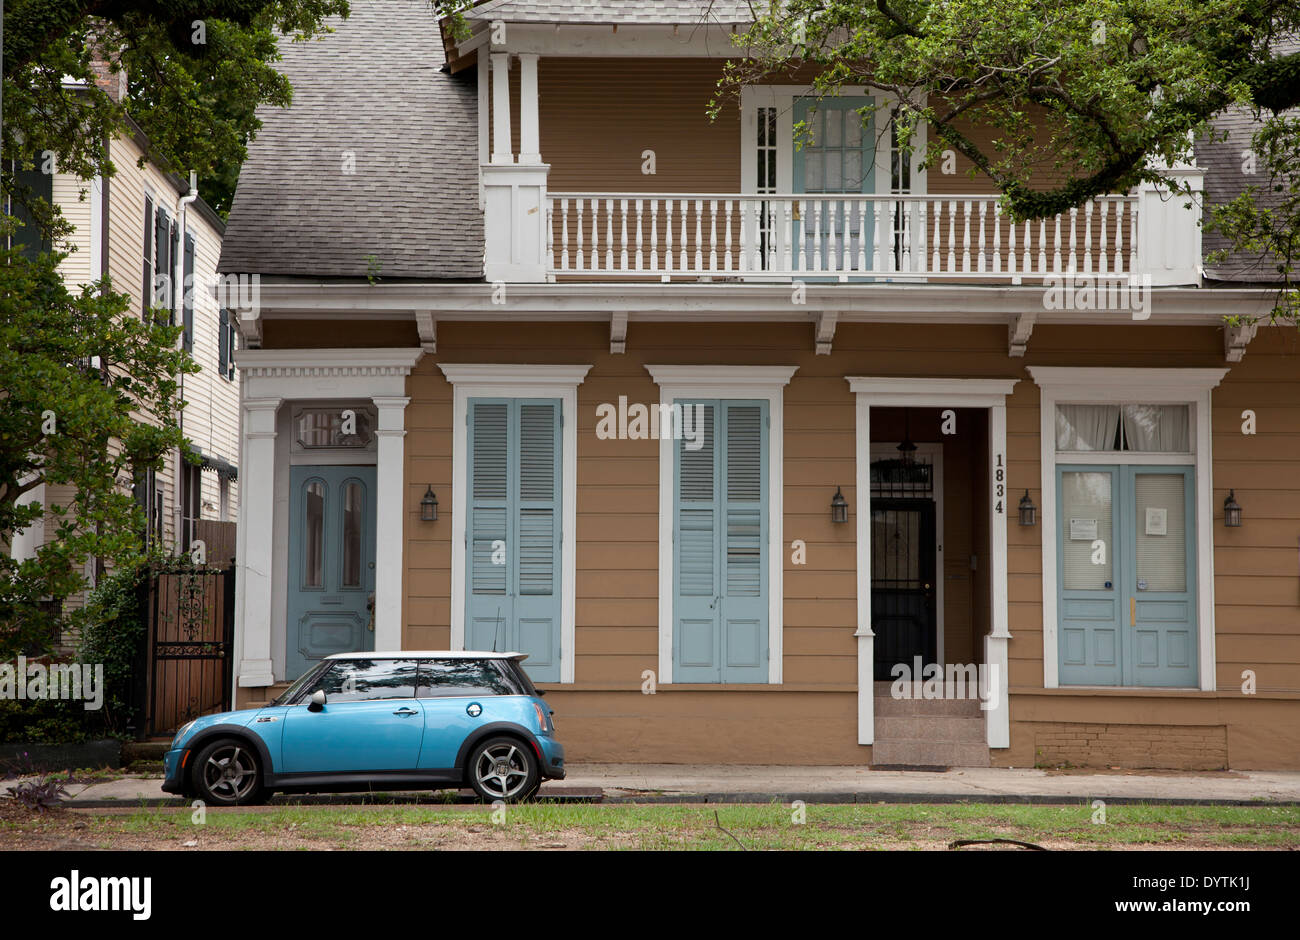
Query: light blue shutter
{"x": 695, "y": 639}
{"x": 513, "y": 531}
{"x": 487, "y": 528}
{"x": 743, "y": 612}
{"x": 720, "y": 600}
{"x": 538, "y": 552}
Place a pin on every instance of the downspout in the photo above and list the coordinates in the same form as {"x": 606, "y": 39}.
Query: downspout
{"x": 178, "y": 279}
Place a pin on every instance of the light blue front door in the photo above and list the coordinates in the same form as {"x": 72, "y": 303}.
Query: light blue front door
{"x": 837, "y": 157}
{"x": 513, "y": 531}
{"x": 331, "y": 564}
{"x": 1126, "y": 576}
{"x": 720, "y": 542}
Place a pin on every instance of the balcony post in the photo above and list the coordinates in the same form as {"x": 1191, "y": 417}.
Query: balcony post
{"x": 529, "y": 147}
{"x": 1169, "y": 231}
{"x": 501, "y": 152}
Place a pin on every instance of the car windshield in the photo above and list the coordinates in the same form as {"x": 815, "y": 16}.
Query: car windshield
{"x": 308, "y": 677}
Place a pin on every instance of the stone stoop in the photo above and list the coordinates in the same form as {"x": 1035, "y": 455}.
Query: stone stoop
{"x": 927, "y": 733}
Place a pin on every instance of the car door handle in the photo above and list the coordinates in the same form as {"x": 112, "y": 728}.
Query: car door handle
{"x": 406, "y": 711}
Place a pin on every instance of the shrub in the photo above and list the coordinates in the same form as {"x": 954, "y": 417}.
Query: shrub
{"x": 112, "y": 634}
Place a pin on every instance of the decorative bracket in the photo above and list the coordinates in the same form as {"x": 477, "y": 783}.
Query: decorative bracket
{"x": 428, "y": 328}
{"x": 250, "y": 327}
{"x": 826, "y": 322}
{"x": 1018, "y": 333}
{"x": 618, "y": 333}
{"x": 1236, "y": 339}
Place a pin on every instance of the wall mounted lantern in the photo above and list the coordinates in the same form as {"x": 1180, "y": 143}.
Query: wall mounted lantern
{"x": 429, "y": 506}
{"x": 839, "y": 507}
{"x": 1028, "y": 511}
{"x": 1231, "y": 510}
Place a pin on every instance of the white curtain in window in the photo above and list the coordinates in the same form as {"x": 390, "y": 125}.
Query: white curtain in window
{"x": 1157, "y": 428}
{"x": 1086, "y": 427}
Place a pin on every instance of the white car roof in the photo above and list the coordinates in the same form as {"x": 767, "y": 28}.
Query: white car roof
{"x": 427, "y": 654}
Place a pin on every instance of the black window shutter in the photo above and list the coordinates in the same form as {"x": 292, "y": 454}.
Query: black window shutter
{"x": 28, "y": 238}
{"x": 147, "y": 287}
{"x": 162, "y": 258}
{"x": 174, "y": 248}
{"x": 188, "y": 295}
{"x": 223, "y": 343}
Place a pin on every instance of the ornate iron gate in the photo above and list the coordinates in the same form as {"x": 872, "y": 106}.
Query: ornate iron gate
{"x": 189, "y": 645}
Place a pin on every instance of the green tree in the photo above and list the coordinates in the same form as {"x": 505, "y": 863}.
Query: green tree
{"x": 1083, "y": 97}
{"x": 88, "y": 391}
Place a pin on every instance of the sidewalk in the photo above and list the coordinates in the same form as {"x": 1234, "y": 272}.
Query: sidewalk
{"x": 701, "y": 783}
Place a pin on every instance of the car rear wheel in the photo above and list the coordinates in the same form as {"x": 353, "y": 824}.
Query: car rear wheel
{"x": 228, "y": 773}
{"x": 503, "y": 769}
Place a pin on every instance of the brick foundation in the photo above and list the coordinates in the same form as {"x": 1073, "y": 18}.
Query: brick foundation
{"x": 1177, "y": 747}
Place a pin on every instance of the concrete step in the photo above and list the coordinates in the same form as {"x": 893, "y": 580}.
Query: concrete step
{"x": 941, "y": 730}
{"x": 916, "y": 752}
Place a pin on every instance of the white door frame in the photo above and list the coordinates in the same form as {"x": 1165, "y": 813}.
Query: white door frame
{"x": 1192, "y": 387}
{"x": 753, "y": 382}
{"x": 269, "y": 378}
{"x": 517, "y": 381}
{"x": 992, "y": 394}
{"x": 934, "y": 451}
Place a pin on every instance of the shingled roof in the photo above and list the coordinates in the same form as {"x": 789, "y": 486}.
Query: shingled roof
{"x": 647, "y": 12}
{"x": 372, "y": 89}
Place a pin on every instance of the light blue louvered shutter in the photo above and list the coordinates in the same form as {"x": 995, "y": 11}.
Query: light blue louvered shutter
{"x": 696, "y": 642}
{"x": 487, "y": 526}
{"x": 743, "y": 610}
{"x": 537, "y": 555}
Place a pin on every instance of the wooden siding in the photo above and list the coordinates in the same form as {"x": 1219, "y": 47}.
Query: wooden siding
{"x": 603, "y": 714}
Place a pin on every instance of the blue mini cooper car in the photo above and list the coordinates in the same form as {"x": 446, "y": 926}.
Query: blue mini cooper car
{"x": 377, "y": 721}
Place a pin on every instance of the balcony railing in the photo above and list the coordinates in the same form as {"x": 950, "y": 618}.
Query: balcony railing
{"x": 841, "y": 237}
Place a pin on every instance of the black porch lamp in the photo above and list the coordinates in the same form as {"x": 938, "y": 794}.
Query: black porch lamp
{"x": 1028, "y": 511}
{"x": 906, "y": 449}
{"x": 839, "y": 507}
{"x": 1231, "y": 510}
{"x": 429, "y": 506}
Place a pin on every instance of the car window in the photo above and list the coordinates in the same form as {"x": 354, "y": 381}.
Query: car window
{"x": 365, "y": 680}
{"x": 455, "y": 677}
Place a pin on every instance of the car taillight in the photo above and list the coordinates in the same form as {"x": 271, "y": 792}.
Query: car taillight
{"x": 543, "y": 719}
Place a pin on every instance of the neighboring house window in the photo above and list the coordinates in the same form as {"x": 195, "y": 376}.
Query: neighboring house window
{"x": 147, "y": 286}
{"x": 226, "y": 345}
{"x": 165, "y": 242}
{"x": 188, "y": 295}
{"x": 191, "y": 509}
{"x": 148, "y": 495}
{"x": 28, "y": 238}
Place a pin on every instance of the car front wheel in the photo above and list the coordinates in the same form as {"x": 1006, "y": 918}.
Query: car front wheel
{"x": 503, "y": 769}
{"x": 228, "y": 773}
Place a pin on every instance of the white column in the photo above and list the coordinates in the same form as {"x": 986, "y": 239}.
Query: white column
{"x": 995, "y": 644}
{"x": 390, "y": 516}
{"x": 530, "y": 150}
{"x": 255, "y": 541}
{"x": 865, "y": 636}
{"x": 501, "y": 147}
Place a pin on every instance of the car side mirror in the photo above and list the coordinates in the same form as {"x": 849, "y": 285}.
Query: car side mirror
{"x": 317, "y": 701}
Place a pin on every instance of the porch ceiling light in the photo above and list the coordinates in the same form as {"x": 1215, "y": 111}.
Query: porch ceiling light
{"x": 1028, "y": 511}
{"x": 906, "y": 449}
{"x": 1231, "y": 510}
{"x": 429, "y": 506}
{"x": 839, "y": 507}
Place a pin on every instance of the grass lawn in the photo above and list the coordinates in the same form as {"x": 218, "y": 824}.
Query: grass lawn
{"x": 653, "y": 827}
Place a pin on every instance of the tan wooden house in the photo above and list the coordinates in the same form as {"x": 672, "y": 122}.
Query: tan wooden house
{"x": 763, "y": 454}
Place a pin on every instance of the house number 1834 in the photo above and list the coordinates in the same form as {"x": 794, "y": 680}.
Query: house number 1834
{"x": 999, "y": 485}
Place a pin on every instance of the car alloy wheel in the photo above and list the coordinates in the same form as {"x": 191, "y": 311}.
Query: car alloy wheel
{"x": 503, "y": 771}
{"x": 229, "y": 772}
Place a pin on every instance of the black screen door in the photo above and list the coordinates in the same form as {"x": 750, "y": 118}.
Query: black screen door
{"x": 903, "y": 583}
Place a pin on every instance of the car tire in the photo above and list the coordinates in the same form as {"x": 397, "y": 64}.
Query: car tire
{"x": 503, "y": 769}
{"x": 227, "y": 772}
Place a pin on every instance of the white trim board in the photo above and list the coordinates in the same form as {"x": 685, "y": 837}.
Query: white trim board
{"x": 1193, "y": 387}
{"x": 517, "y": 381}
{"x": 725, "y": 382}
{"x": 992, "y": 394}
{"x": 886, "y": 450}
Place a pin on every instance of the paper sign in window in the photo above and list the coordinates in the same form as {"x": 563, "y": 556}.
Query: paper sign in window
{"x": 1083, "y": 530}
{"x": 1157, "y": 521}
